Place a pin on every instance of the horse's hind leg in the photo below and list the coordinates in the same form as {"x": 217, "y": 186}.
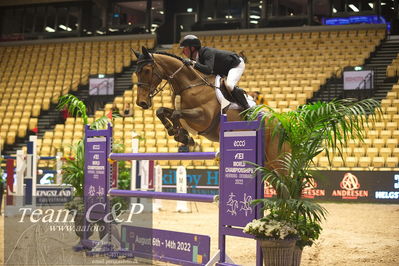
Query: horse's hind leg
{"x": 164, "y": 114}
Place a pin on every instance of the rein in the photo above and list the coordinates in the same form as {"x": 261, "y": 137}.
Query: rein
{"x": 171, "y": 77}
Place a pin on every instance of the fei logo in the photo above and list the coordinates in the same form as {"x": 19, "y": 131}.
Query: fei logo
{"x": 350, "y": 188}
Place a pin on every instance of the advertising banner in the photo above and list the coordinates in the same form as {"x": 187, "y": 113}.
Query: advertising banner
{"x": 53, "y": 194}
{"x": 360, "y": 186}
{"x": 351, "y": 186}
{"x": 168, "y": 246}
{"x": 199, "y": 181}
{"x": 356, "y": 186}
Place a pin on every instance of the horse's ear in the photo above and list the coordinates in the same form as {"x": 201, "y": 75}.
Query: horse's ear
{"x": 145, "y": 52}
{"x": 137, "y": 54}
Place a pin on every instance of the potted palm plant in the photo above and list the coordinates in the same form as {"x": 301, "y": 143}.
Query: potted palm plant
{"x": 310, "y": 130}
{"x": 73, "y": 168}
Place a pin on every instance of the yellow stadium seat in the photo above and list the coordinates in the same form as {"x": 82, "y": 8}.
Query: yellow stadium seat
{"x": 378, "y": 161}
{"x": 337, "y": 162}
{"x": 372, "y": 134}
{"x": 359, "y": 151}
{"x": 392, "y": 143}
{"x": 351, "y": 161}
{"x": 378, "y": 143}
{"x": 364, "y": 162}
{"x": 372, "y": 151}
{"x": 392, "y": 162}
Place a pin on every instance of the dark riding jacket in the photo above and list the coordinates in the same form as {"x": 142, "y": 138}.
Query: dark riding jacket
{"x": 215, "y": 61}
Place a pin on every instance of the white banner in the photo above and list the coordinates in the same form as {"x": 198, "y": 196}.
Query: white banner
{"x": 101, "y": 86}
{"x": 352, "y": 79}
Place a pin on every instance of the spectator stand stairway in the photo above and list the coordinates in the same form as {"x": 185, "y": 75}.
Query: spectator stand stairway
{"x": 48, "y": 119}
{"x": 378, "y": 61}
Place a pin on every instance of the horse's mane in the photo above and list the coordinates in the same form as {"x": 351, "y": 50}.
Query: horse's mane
{"x": 168, "y": 54}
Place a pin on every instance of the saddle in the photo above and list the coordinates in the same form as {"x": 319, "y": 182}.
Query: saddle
{"x": 223, "y": 89}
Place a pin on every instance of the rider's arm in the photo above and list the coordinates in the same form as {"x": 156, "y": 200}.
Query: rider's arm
{"x": 208, "y": 58}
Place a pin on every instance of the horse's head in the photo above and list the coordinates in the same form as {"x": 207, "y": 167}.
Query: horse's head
{"x": 149, "y": 78}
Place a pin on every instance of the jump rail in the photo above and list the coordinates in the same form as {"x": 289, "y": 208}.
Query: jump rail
{"x": 164, "y": 195}
{"x": 164, "y": 156}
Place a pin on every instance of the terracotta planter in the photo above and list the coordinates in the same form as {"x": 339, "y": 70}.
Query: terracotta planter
{"x": 277, "y": 252}
{"x": 297, "y": 256}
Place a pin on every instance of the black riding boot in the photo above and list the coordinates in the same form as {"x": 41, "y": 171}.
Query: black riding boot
{"x": 239, "y": 97}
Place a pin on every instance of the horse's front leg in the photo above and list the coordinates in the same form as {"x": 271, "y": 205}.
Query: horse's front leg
{"x": 165, "y": 115}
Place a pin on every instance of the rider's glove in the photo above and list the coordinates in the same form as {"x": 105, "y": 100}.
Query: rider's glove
{"x": 188, "y": 62}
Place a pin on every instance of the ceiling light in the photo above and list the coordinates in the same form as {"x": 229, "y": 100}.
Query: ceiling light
{"x": 189, "y": 10}
{"x": 65, "y": 27}
{"x": 254, "y": 21}
{"x": 354, "y": 8}
{"x": 48, "y": 29}
{"x": 334, "y": 10}
{"x": 254, "y": 16}
{"x": 371, "y": 5}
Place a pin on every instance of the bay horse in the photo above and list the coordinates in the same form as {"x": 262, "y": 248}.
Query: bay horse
{"x": 196, "y": 107}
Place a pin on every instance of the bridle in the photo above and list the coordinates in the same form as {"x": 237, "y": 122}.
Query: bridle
{"x": 151, "y": 61}
{"x": 140, "y": 64}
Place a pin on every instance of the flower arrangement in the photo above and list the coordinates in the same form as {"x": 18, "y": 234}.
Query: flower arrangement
{"x": 270, "y": 229}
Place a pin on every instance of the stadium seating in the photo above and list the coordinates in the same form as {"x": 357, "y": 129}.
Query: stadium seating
{"x": 287, "y": 68}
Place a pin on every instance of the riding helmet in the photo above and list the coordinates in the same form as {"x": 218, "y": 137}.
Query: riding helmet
{"x": 190, "y": 40}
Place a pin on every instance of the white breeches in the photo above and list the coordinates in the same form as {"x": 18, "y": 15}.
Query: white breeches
{"x": 234, "y": 75}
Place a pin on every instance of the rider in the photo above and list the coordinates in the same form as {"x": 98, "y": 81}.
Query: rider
{"x": 218, "y": 62}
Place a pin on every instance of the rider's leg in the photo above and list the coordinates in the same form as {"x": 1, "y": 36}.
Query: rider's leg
{"x": 232, "y": 79}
